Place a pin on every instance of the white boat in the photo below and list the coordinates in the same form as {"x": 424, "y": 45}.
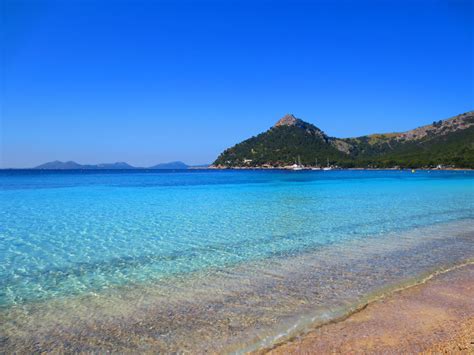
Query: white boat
{"x": 327, "y": 167}
{"x": 297, "y": 166}
{"x": 316, "y": 166}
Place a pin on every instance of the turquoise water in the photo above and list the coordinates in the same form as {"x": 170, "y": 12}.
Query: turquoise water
{"x": 72, "y": 236}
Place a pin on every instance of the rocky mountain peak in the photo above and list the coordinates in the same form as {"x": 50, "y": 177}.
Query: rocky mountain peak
{"x": 288, "y": 120}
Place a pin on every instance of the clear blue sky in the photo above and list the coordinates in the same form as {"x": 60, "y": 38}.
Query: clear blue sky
{"x": 155, "y": 81}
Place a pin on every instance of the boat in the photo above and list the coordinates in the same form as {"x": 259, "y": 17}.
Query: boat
{"x": 297, "y": 166}
{"x": 328, "y": 167}
{"x": 316, "y": 166}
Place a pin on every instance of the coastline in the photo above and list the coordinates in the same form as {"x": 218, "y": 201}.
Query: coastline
{"x": 335, "y": 168}
{"x": 212, "y": 167}
{"x": 436, "y": 315}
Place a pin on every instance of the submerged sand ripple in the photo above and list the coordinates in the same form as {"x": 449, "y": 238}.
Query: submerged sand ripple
{"x": 434, "y": 317}
{"x": 241, "y": 308}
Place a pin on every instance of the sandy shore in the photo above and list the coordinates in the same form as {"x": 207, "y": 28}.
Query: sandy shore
{"x": 434, "y": 317}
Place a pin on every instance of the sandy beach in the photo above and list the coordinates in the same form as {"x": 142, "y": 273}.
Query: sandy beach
{"x": 434, "y": 317}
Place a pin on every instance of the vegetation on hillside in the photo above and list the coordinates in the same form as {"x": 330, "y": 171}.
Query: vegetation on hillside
{"x": 447, "y": 143}
{"x": 280, "y": 146}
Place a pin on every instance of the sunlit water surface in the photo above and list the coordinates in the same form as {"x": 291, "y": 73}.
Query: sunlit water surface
{"x": 214, "y": 260}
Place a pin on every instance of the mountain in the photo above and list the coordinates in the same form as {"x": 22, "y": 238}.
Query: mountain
{"x": 281, "y": 145}
{"x": 170, "y": 165}
{"x": 72, "y": 165}
{"x": 445, "y": 142}
{"x": 448, "y": 142}
{"x": 118, "y": 165}
{"x": 59, "y": 165}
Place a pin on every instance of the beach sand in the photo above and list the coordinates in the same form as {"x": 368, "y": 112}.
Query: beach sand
{"x": 434, "y": 317}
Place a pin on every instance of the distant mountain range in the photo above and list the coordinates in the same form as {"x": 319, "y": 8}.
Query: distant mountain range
{"x": 447, "y": 142}
{"x": 71, "y": 165}
{"x": 171, "y": 165}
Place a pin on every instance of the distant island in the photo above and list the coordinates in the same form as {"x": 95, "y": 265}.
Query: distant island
{"x": 444, "y": 143}
{"x": 71, "y": 165}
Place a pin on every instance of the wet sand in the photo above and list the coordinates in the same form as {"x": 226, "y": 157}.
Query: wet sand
{"x": 434, "y": 317}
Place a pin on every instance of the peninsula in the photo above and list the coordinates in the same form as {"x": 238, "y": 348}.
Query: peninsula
{"x": 444, "y": 143}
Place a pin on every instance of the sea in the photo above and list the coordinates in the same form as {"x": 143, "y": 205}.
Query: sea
{"x": 220, "y": 261}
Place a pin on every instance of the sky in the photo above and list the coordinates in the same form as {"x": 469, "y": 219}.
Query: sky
{"x": 147, "y": 81}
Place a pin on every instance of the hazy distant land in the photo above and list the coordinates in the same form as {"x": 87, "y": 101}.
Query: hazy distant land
{"x": 72, "y": 165}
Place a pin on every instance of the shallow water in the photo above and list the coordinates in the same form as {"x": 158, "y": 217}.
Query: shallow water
{"x": 214, "y": 260}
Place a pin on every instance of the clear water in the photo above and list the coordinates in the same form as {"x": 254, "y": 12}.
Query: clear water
{"x": 256, "y": 252}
